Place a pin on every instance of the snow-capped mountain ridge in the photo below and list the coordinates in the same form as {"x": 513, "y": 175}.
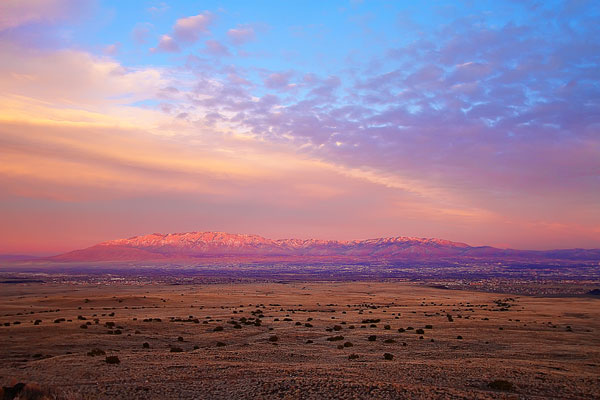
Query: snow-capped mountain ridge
{"x": 191, "y": 245}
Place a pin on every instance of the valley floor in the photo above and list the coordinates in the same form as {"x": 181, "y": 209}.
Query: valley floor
{"x": 312, "y": 341}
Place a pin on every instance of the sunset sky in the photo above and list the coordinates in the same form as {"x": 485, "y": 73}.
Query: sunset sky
{"x": 473, "y": 121}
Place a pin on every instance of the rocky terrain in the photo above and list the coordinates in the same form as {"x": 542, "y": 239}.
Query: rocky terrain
{"x": 296, "y": 340}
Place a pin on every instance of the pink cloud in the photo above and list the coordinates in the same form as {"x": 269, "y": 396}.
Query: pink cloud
{"x": 189, "y": 29}
{"x": 14, "y": 13}
{"x": 166, "y": 44}
{"x": 112, "y": 49}
{"x": 241, "y": 35}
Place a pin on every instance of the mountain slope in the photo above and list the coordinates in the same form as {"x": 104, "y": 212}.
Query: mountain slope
{"x": 193, "y": 245}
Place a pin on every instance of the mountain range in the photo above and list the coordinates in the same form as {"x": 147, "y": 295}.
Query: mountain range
{"x": 219, "y": 245}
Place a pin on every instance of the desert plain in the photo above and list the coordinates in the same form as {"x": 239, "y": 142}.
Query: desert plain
{"x": 296, "y": 340}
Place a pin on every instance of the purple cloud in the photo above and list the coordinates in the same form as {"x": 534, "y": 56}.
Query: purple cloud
{"x": 278, "y": 80}
{"x": 141, "y": 33}
{"x": 215, "y": 48}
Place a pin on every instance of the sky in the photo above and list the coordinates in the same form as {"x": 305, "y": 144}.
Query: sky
{"x": 472, "y": 121}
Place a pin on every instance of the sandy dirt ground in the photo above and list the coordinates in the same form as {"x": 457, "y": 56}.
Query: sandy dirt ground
{"x": 314, "y": 340}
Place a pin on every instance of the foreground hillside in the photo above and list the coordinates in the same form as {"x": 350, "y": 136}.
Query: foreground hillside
{"x": 252, "y": 247}
{"x": 296, "y": 341}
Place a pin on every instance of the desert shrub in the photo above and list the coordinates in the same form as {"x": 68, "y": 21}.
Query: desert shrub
{"x": 81, "y": 318}
{"x": 351, "y": 327}
{"x": 96, "y": 352}
{"x": 419, "y": 331}
{"x": 57, "y": 321}
{"x": 340, "y": 346}
{"x": 176, "y": 349}
{"x": 112, "y": 360}
{"x": 273, "y": 338}
{"x": 298, "y": 323}
{"x": 146, "y": 345}
{"x": 348, "y": 344}
{"x": 30, "y": 391}
{"x": 450, "y": 319}
{"x": 401, "y": 330}
{"x": 37, "y": 322}
{"x": 428, "y": 326}
{"x": 309, "y": 341}
{"x": 237, "y": 326}
{"x": 459, "y": 337}
{"x": 372, "y": 338}
{"x": 218, "y": 328}
{"x": 387, "y": 327}
{"x": 335, "y": 338}
{"x": 389, "y": 341}
{"x": 180, "y": 339}
{"x": 337, "y": 328}
{"x": 500, "y": 384}
{"x": 388, "y": 356}
{"x": 308, "y": 325}
{"x": 84, "y": 326}
{"x": 373, "y": 326}
{"x": 287, "y": 319}
{"x": 220, "y": 344}
{"x": 404, "y": 344}
{"x": 409, "y": 328}
{"x": 371, "y": 321}
{"x": 196, "y": 347}
{"x": 352, "y": 356}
